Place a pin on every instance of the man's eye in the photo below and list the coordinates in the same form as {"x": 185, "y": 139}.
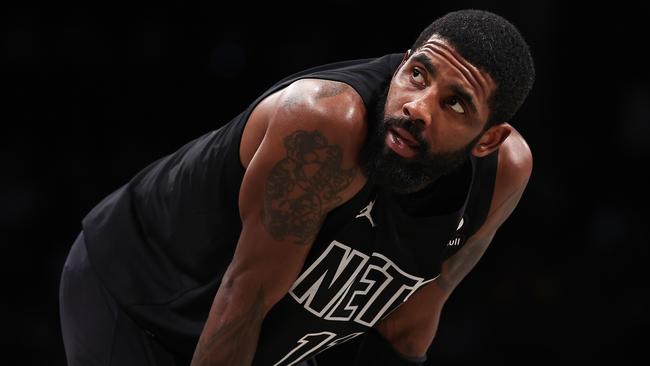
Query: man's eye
{"x": 416, "y": 73}
{"x": 455, "y": 104}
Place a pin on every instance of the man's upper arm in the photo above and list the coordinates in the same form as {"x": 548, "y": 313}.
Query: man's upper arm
{"x": 412, "y": 326}
{"x": 304, "y": 167}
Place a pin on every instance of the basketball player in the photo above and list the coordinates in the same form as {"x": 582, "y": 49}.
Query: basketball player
{"x": 348, "y": 200}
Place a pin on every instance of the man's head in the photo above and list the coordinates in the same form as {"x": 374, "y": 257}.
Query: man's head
{"x": 454, "y": 92}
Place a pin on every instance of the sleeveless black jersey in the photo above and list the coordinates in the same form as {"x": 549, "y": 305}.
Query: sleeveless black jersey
{"x": 162, "y": 242}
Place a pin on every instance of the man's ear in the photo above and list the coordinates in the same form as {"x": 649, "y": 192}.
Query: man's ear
{"x": 491, "y": 139}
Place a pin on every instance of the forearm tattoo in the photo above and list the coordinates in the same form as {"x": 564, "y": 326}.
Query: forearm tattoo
{"x": 301, "y": 185}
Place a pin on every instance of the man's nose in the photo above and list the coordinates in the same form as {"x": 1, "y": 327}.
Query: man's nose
{"x": 417, "y": 111}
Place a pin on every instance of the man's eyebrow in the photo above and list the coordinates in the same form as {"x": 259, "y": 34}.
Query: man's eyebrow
{"x": 426, "y": 62}
{"x": 464, "y": 95}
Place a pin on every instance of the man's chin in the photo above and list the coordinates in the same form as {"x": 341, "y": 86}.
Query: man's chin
{"x": 393, "y": 173}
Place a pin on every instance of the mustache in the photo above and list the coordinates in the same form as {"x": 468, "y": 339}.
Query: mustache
{"x": 408, "y": 125}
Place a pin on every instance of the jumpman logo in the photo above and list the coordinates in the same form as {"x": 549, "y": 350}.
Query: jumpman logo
{"x": 366, "y": 212}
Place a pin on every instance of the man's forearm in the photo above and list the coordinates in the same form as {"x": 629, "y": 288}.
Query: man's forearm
{"x": 376, "y": 350}
{"x": 230, "y": 340}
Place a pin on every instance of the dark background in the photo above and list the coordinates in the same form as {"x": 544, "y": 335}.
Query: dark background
{"x": 94, "y": 94}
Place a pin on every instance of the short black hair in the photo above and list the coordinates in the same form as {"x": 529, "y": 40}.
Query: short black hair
{"x": 494, "y": 45}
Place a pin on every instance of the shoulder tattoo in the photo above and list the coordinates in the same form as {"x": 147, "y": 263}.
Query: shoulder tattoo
{"x": 302, "y": 184}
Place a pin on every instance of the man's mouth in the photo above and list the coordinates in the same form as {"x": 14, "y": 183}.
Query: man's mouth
{"x": 402, "y": 142}
{"x": 405, "y": 136}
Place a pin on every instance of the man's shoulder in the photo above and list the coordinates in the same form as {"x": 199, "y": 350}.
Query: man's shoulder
{"x": 515, "y": 162}
{"x": 332, "y": 100}
{"x": 331, "y": 107}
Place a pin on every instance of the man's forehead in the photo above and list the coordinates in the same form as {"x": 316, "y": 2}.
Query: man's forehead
{"x": 438, "y": 46}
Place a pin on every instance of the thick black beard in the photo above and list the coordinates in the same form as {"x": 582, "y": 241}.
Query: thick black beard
{"x": 386, "y": 168}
